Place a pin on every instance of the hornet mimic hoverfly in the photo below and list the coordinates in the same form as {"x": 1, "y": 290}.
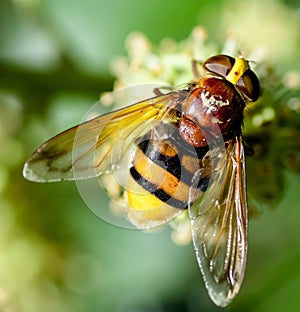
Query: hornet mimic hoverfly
{"x": 183, "y": 150}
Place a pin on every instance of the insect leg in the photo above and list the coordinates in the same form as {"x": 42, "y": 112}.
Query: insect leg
{"x": 195, "y": 70}
{"x": 158, "y": 91}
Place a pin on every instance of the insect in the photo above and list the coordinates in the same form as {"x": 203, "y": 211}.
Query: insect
{"x": 183, "y": 150}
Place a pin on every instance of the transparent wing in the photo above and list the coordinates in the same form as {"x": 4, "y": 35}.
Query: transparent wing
{"x": 96, "y": 146}
{"x": 219, "y": 227}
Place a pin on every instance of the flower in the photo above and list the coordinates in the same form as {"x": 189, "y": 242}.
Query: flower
{"x": 267, "y": 127}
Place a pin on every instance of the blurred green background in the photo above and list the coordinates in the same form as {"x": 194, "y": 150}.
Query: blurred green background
{"x": 55, "y": 254}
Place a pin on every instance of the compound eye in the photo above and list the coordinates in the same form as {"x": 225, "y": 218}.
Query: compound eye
{"x": 248, "y": 84}
{"x": 219, "y": 64}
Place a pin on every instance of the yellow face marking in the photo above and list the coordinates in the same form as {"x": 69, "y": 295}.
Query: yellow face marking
{"x": 238, "y": 70}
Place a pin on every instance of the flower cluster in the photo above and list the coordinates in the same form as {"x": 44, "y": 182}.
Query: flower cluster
{"x": 267, "y": 127}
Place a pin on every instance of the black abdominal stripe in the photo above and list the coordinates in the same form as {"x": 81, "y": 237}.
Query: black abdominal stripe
{"x": 173, "y": 165}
